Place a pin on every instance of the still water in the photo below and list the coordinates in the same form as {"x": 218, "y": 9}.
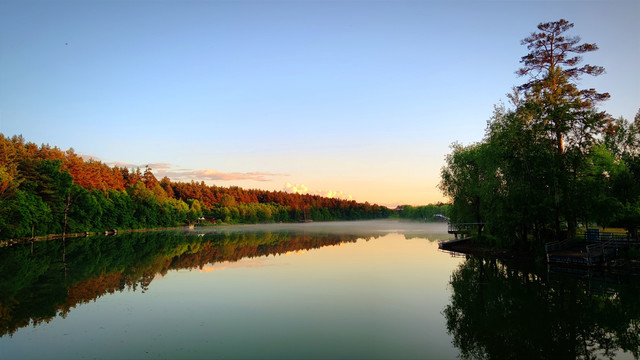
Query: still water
{"x": 322, "y": 290}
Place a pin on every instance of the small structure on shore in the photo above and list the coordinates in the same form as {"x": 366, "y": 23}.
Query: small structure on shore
{"x": 441, "y": 217}
{"x": 464, "y": 228}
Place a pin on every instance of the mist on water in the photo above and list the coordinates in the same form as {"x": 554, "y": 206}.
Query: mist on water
{"x": 364, "y": 228}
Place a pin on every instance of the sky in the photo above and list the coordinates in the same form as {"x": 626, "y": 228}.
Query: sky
{"x": 355, "y": 99}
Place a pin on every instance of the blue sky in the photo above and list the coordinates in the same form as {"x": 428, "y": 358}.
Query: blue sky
{"x": 361, "y": 98}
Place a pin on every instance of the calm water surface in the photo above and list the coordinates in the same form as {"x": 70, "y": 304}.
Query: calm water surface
{"x": 323, "y": 290}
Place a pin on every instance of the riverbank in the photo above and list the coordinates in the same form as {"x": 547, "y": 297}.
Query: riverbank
{"x": 368, "y": 225}
{"x": 28, "y": 240}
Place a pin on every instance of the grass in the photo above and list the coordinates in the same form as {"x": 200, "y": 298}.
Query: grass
{"x": 617, "y": 231}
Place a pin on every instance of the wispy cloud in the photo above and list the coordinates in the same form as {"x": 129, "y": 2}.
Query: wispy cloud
{"x": 159, "y": 166}
{"x": 198, "y": 175}
{"x": 86, "y": 157}
{"x": 129, "y": 165}
{"x": 303, "y": 189}
{"x": 122, "y": 164}
{"x": 161, "y": 170}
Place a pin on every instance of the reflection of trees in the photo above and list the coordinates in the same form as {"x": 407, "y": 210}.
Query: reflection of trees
{"x": 501, "y": 312}
{"x": 34, "y": 287}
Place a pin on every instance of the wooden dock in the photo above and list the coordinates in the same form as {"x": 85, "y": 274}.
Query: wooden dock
{"x": 448, "y": 244}
{"x": 596, "y": 249}
{"x": 581, "y": 253}
{"x": 463, "y": 228}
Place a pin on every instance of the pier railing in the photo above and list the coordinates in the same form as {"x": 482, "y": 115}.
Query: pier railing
{"x": 555, "y": 245}
{"x": 597, "y": 236}
{"x": 602, "y": 252}
{"x": 459, "y": 228}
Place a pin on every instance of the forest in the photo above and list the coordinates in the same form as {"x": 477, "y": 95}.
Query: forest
{"x": 45, "y": 190}
{"x": 551, "y": 161}
{"x": 429, "y": 213}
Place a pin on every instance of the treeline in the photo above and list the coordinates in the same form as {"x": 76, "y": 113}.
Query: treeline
{"x": 429, "y": 213}
{"x": 44, "y": 190}
{"x": 551, "y": 162}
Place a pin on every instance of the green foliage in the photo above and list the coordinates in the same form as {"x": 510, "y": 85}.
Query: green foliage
{"x": 39, "y": 197}
{"x": 227, "y": 200}
{"x": 425, "y": 213}
{"x": 466, "y": 179}
{"x": 44, "y": 190}
{"x": 24, "y": 214}
{"x": 633, "y": 253}
{"x": 38, "y": 206}
{"x": 552, "y": 161}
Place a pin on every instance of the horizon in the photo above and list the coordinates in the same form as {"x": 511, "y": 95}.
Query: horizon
{"x": 359, "y": 99}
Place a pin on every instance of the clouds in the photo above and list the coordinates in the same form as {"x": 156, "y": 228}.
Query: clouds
{"x": 132, "y": 166}
{"x": 295, "y": 189}
{"x": 159, "y": 166}
{"x": 161, "y": 170}
{"x": 303, "y": 189}
{"x": 209, "y": 174}
{"x": 86, "y": 157}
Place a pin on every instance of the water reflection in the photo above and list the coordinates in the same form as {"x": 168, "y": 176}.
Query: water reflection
{"x": 34, "y": 288}
{"x": 41, "y": 281}
{"x": 505, "y": 312}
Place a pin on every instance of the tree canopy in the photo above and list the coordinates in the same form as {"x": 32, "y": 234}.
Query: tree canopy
{"x": 551, "y": 159}
{"x": 44, "y": 190}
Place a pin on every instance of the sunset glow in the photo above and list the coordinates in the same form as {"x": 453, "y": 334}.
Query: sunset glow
{"x": 353, "y": 100}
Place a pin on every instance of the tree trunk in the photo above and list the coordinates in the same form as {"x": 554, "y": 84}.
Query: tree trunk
{"x": 66, "y": 211}
{"x": 478, "y": 218}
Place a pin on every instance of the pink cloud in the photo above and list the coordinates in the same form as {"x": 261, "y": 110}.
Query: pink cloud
{"x": 122, "y": 164}
{"x": 209, "y": 174}
{"x": 159, "y": 166}
{"x": 86, "y": 157}
{"x": 303, "y": 189}
{"x": 153, "y": 166}
{"x": 161, "y": 170}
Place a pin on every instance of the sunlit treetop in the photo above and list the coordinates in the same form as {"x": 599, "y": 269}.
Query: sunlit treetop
{"x": 553, "y": 55}
{"x": 550, "y": 50}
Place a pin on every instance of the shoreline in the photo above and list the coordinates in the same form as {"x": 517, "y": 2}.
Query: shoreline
{"x": 111, "y": 232}
{"x": 115, "y": 232}
{"x": 468, "y": 247}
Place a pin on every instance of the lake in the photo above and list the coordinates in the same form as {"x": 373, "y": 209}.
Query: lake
{"x": 367, "y": 289}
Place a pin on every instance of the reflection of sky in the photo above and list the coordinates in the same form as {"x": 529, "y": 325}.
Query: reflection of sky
{"x": 373, "y": 298}
{"x": 244, "y": 263}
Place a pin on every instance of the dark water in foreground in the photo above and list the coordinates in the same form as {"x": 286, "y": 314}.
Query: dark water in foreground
{"x": 333, "y": 290}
